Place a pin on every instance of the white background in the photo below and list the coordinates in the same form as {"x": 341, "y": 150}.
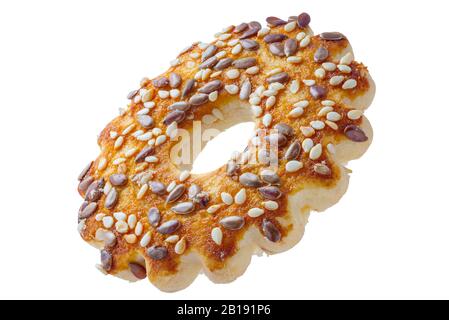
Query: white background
{"x": 67, "y": 66}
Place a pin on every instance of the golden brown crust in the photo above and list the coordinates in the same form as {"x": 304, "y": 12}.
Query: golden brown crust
{"x": 201, "y": 235}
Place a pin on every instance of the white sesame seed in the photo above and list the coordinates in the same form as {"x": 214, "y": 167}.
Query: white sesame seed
{"x": 203, "y": 45}
{"x": 255, "y": 212}
{"x": 232, "y": 89}
{"x": 270, "y": 205}
{"x": 233, "y": 42}
{"x": 220, "y": 44}
{"x": 330, "y": 148}
{"x": 132, "y": 220}
{"x": 217, "y": 235}
{"x": 143, "y": 189}
{"x": 145, "y": 137}
{"x": 293, "y": 166}
{"x": 143, "y": 111}
{"x": 149, "y": 105}
{"x": 225, "y": 36}
{"x": 163, "y": 94}
{"x": 349, "y": 84}
{"x": 145, "y": 239}
{"x": 320, "y": 73}
{"x": 302, "y": 104}
{"x": 237, "y": 49}
{"x": 221, "y": 54}
{"x": 172, "y": 239}
{"x": 315, "y": 152}
{"x": 347, "y": 58}
{"x": 270, "y": 102}
{"x": 257, "y": 111}
{"x": 336, "y": 80}
{"x": 276, "y": 86}
{"x": 161, "y": 139}
{"x": 333, "y": 116}
{"x": 216, "y": 74}
{"x": 309, "y": 83}
{"x": 180, "y": 246}
{"x": 240, "y": 197}
{"x": 227, "y": 198}
{"x": 255, "y": 101}
{"x": 184, "y": 175}
{"x": 325, "y": 110}
{"x": 151, "y": 142}
{"x": 307, "y": 131}
{"x": 213, "y": 96}
{"x": 118, "y": 161}
{"x": 128, "y": 129}
{"x": 300, "y": 36}
{"x": 99, "y": 216}
{"x": 274, "y": 71}
{"x": 253, "y": 70}
{"x": 108, "y": 222}
{"x": 137, "y": 99}
{"x": 139, "y": 228}
{"x": 130, "y": 238}
{"x": 266, "y": 120}
{"x": 294, "y": 59}
{"x": 289, "y": 27}
{"x": 174, "y": 93}
{"x": 294, "y": 86}
{"x": 259, "y": 91}
{"x": 332, "y": 125}
{"x": 208, "y": 119}
{"x": 206, "y": 73}
{"x": 355, "y": 114}
{"x": 343, "y": 68}
{"x": 214, "y": 208}
{"x": 121, "y": 227}
{"x": 102, "y": 163}
{"x": 305, "y": 42}
{"x": 156, "y": 131}
{"x": 152, "y": 159}
{"x": 107, "y": 188}
{"x": 218, "y": 114}
{"x": 263, "y": 32}
{"x": 307, "y": 145}
{"x": 317, "y": 125}
{"x": 138, "y": 133}
{"x": 120, "y": 216}
{"x": 198, "y": 75}
{"x": 296, "y": 112}
{"x": 269, "y": 93}
{"x": 329, "y": 66}
{"x": 118, "y": 143}
{"x": 171, "y": 186}
{"x": 232, "y": 74}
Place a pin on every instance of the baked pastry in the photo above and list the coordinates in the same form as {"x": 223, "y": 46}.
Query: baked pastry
{"x": 306, "y": 95}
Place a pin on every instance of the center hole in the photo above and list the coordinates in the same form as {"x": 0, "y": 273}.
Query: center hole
{"x": 218, "y": 151}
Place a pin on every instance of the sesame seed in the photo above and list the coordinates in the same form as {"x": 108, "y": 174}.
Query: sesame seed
{"x": 293, "y": 166}
{"x": 270, "y": 102}
{"x": 315, "y": 152}
{"x": 108, "y": 222}
{"x": 145, "y": 241}
{"x": 149, "y": 105}
{"x": 142, "y": 191}
{"x": 325, "y": 110}
{"x": 317, "y": 125}
{"x": 294, "y": 59}
{"x": 139, "y": 229}
{"x": 233, "y": 42}
{"x": 216, "y": 74}
{"x": 336, "y": 80}
{"x": 121, "y": 227}
{"x": 267, "y": 119}
{"x": 289, "y": 27}
{"x": 163, "y": 94}
{"x": 302, "y": 104}
{"x": 270, "y": 205}
{"x": 175, "y": 93}
{"x": 301, "y": 35}
{"x": 214, "y": 208}
{"x": 343, "y": 68}
{"x": 294, "y": 86}
{"x": 355, "y": 114}
{"x": 172, "y": 239}
{"x": 330, "y": 148}
{"x": 307, "y": 131}
{"x": 184, "y": 175}
{"x": 227, "y": 198}
{"x": 180, "y": 246}
{"x": 307, "y": 145}
{"x": 102, "y": 163}
{"x": 269, "y": 93}
{"x": 263, "y": 32}
{"x": 225, "y": 36}
{"x": 257, "y": 111}
{"x": 255, "y": 212}
{"x": 132, "y": 220}
{"x": 120, "y": 216}
{"x": 217, "y": 235}
{"x": 309, "y": 83}
{"x": 274, "y": 71}
{"x": 305, "y": 42}
{"x": 349, "y": 84}
{"x": 194, "y": 55}
{"x": 252, "y": 70}
{"x": 329, "y": 66}
{"x": 213, "y": 96}
{"x": 118, "y": 143}
{"x": 255, "y": 100}
{"x": 232, "y": 74}
{"x": 332, "y": 125}
{"x": 320, "y": 73}
{"x": 130, "y": 238}
{"x": 240, "y": 197}
{"x": 333, "y": 116}
{"x": 296, "y": 112}
{"x": 160, "y": 140}
{"x": 128, "y": 129}
{"x": 232, "y": 89}
{"x": 237, "y": 49}
{"x": 145, "y": 137}
{"x": 347, "y": 59}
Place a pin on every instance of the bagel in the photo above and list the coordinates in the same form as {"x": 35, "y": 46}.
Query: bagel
{"x": 306, "y": 95}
